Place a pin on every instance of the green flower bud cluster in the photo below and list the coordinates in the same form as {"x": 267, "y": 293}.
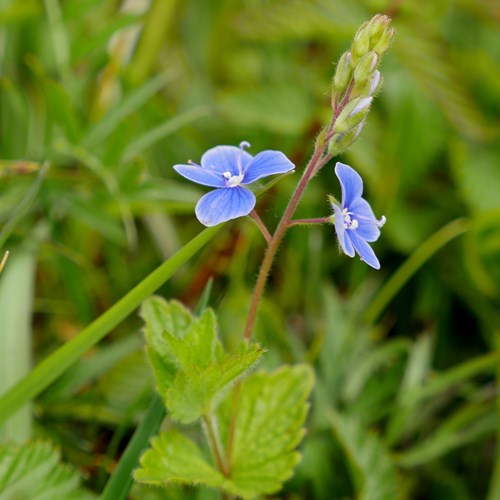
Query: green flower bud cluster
{"x": 357, "y": 80}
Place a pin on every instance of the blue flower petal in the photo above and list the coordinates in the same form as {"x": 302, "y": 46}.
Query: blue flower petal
{"x": 350, "y": 182}
{"x": 226, "y": 159}
{"x": 200, "y": 175}
{"x": 224, "y": 204}
{"x": 267, "y": 163}
{"x": 364, "y": 250}
{"x": 368, "y": 228}
{"x": 341, "y": 231}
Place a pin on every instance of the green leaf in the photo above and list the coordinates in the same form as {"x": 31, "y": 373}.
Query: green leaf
{"x": 196, "y": 390}
{"x": 197, "y": 348}
{"x": 34, "y": 471}
{"x": 173, "y": 458}
{"x": 161, "y": 316}
{"x": 272, "y": 409}
{"x": 373, "y": 472}
{"x": 188, "y": 362}
{"x": 263, "y": 455}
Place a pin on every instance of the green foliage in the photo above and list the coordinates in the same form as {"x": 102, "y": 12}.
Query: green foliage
{"x": 190, "y": 367}
{"x": 34, "y": 470}
{"x": 268, "y": 424}
{"x": 263, "y": 455}
{"x": 96, "y": 105}
{"x": 373, "y": 472}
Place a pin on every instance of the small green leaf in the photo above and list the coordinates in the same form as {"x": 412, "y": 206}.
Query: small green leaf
{"x": 271, "y": 411}
{"x": 161, "y": 316}
{"x": 196, "y": 390}
{"x": 34, "y": 471}
{"x": 175, "y": 458}
{"x": 187, "y": 358}
{"x": 197, "y": 348}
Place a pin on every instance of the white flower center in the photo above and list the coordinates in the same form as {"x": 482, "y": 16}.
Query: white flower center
{"x": 349, "y": 222}
{"x": 232, "y": 180}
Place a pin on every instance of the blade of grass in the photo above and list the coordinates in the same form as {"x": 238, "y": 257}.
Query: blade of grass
{"x": 57, "y": 363}
{"x": 16, "y": 306}
{"x": 149, "y": 138}
{"x": 120, "y": 482}
{"x": 60, "y": 40}
{"x": 156, "y": 27}
{"x": 129, "y": 104}
{"x": 416, "y": 260}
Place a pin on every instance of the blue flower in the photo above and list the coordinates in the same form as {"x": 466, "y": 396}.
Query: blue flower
{"x": 228, "y": 169}
{"x": 355, "y": 222}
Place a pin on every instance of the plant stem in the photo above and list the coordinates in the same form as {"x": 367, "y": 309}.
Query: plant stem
{"x": 4, "y": 260}
{"x": 214, "y": 443}
{"x": 261, "y": 226}
{"x": 317, "y": 159}
{"x": 303, "y": 222}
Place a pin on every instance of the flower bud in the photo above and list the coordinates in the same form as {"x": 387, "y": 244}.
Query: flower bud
{"x": 340, "y": 142}
{"x": 352, "y": 115}
{"x": 384, "y": 41}
{"x": 360, "y": 45}
{"x": 365, "y": 67}
{"x": 343, "y": 75}
{"x": 375, "y": 83}
{"x": 377, "y": 26}
{"x": 368, "y": 88}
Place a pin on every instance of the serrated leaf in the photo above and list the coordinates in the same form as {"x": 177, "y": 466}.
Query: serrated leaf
{"x": 271, "y": 411}
{"x": 198, "y": 346}
{"x": 196, "y": 390}
{"x": 374, "y": 474}
{"x": 272, "y": 408}
{"x": 189, "y": 365}
{"x": 161, "y": 316}
{"x": 173, "y": 458}
{"x": 34, "y": 471}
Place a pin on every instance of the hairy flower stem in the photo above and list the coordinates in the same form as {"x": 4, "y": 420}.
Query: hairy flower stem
{"x": 305, "y": 222}
{"x": 318, "y": 158}
{"x": 261, "y": 225}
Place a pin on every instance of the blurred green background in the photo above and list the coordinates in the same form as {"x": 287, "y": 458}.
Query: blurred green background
{"x": 98, "y": 99}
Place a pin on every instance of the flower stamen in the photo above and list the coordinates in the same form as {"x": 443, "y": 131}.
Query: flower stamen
{"x": 232, "y": 180}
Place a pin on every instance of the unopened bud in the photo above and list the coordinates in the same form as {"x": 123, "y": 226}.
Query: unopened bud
{"x": 370, "y": 88}
{"x": 376, "y": 26}
{"x": 384, "y": 41}
{"x": 360, "y": 45}
{"x": 352, "y": 115}
{"x": 340, "y": 142}
{"x": 361, "y": 105}
{"x": 343, "y": 75}
{"x": 365, "y": 67}
{"x": 375, "y": 83}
